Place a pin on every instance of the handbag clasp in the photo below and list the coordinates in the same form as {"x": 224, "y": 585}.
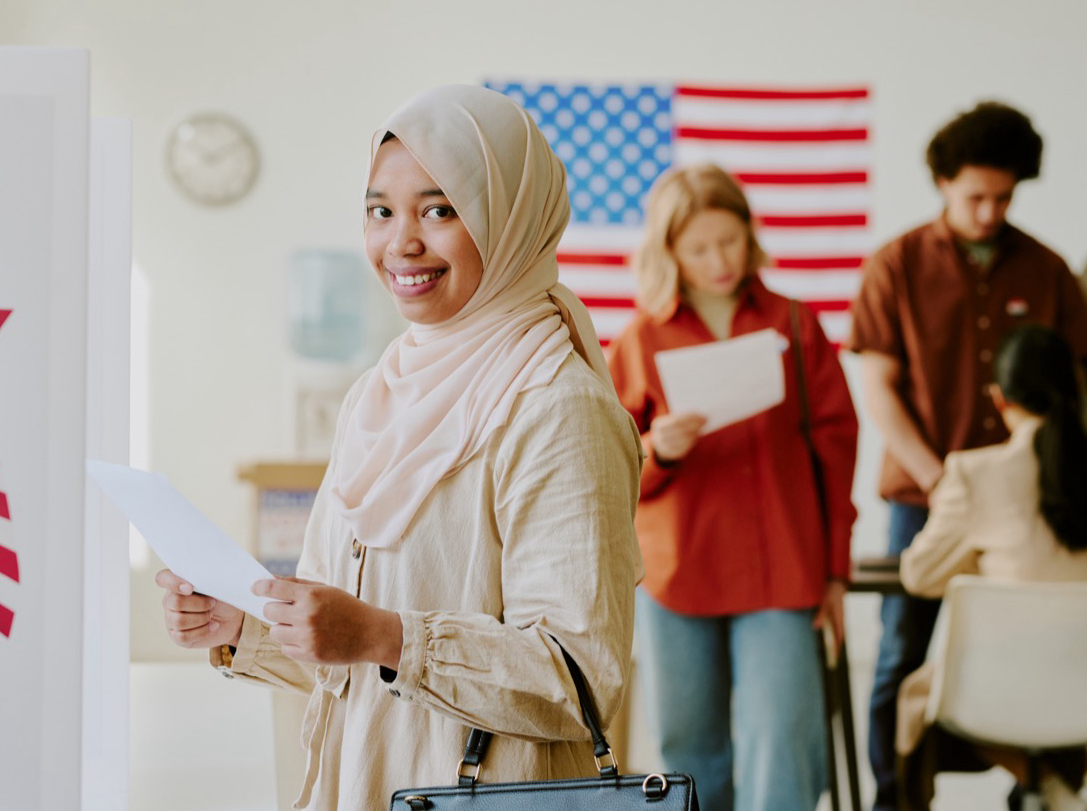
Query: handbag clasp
{"x": 607, "y": 761}
{"x": 467, "y": 771}
{"x": 654, "y": 786}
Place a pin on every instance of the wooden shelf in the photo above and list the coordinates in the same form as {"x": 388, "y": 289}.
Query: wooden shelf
{"x": 284, "y": 475}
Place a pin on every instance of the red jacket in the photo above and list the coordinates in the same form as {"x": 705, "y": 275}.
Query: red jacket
{"x": 735, "y": 526}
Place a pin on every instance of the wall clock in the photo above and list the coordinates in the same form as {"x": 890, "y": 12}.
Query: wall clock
{"x": 212, "y": 159}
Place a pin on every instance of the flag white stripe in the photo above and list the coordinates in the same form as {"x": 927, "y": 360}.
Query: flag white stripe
{"x": 804, "y": 199}
{"x": 608, "y": 321}
{"x": 771, "y": 114}
{"x": 782, "y": 243}
{"x": 835, "y": 325}
{"x": 779, "y": 157}
{"x": 611, "y": 282}
{"x": 822, "y": 285}
{"x": 594, "y": 239}
{"x": 815, "y": 242}
{"x": 814, "y": 285}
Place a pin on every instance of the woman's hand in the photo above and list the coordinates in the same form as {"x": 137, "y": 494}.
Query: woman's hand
{"x": 832, "y": 610}
{"x": 195, "y": 620}
{"x": 673, "y": 435}
{"x": 326, "y": 625}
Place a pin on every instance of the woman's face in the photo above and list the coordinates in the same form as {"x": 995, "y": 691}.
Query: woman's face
{"x": 416, "y": 241}
{"x": 712, "y": 252}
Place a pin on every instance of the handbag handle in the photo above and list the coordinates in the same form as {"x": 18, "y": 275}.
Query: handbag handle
{"x": 475, "y": 749}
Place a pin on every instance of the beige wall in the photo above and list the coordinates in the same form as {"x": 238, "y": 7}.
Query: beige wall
{"x": 312, "y": 80}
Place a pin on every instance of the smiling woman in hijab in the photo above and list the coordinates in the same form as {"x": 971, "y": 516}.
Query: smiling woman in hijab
{"x": 476, "y": 519}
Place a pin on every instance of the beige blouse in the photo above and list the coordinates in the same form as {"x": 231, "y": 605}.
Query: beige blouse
{"x": 984, "y": 519}
{"x": 528, "y": 546}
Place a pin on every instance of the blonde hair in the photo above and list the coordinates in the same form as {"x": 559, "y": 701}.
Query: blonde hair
{"x": 675, "y": 198}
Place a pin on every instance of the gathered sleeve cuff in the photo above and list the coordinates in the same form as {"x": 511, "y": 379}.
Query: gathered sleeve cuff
{"x": 258, "y": 658}
{"x": 507, "y": 680}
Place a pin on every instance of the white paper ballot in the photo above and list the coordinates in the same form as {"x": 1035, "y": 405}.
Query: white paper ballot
{"x": 724, "y": 381}
{"x": 186, "y": 540}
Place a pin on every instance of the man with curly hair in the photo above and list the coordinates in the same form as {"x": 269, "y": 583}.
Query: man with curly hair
{"x": 932, "y": 307}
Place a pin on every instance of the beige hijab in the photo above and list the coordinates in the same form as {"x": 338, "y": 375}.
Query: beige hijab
{"x": 440, "y": 390}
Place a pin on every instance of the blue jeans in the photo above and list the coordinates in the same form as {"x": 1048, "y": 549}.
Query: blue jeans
{"x": 907, "y": 628}
{"x": 736, "y": 702}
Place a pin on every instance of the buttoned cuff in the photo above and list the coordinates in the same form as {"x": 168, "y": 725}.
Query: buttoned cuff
{"x": 413, "y": 656}
{"x": 229, "y": 661}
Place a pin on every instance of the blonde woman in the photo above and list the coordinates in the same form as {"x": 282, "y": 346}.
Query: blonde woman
{"x": 739, "y": 564}
{"x": 476, "y": 520}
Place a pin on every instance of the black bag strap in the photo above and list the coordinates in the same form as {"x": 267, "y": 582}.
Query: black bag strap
{"x": 805, "y": 414}
{"x": 801, "y": 378}
{"x": 475, "y": 749}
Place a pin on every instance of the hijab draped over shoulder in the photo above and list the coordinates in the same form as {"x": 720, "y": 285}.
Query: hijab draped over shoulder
{"x": 440, "y": 390}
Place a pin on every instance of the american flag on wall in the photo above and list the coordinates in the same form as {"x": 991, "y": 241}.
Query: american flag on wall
{"x": 803, "y": 157}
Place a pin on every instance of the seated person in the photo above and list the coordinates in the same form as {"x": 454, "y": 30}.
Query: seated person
{"x": 1014, "y": 511}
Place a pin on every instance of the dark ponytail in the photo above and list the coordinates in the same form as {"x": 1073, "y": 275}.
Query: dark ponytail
{"x": 1035, "y": 369}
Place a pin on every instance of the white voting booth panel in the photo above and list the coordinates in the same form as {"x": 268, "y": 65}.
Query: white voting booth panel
{"x": 47, "y": 236}
{"x": 106, "y": 575}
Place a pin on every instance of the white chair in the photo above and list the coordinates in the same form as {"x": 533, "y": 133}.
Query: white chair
{"x": 1011, "y": 667}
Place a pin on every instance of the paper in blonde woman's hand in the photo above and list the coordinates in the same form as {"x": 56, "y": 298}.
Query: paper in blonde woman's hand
{"x": 747, "y": 377}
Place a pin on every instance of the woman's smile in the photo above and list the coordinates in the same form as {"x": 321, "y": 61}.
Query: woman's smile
{"x": 414, "y": 281}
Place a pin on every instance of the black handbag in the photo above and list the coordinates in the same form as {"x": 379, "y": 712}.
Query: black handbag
{"x": 608, "y": 792}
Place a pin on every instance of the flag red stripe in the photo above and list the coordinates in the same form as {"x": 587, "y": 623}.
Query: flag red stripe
{"x": 4, "y": 316}
{"x": 830, "y": 306}
{"x": 566, "y": 258}
{"x": 769, "y": 94}
{"x": 615, "y": 302}
{"x": 782, "y": 263}
{"x": 813, "y": 220}
{"x": 4, "y": 511}
{"x": 800, "y": 178}
{"x": 596, "y": 302}
{"x": 774, "y": 136}
{"x": 9, "y": 563}
{"x": 7, "y": 616}
{"x": 819, "y": 263}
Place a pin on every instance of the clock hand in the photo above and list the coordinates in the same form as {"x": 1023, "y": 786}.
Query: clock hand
{"x": 219, "y": 152}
